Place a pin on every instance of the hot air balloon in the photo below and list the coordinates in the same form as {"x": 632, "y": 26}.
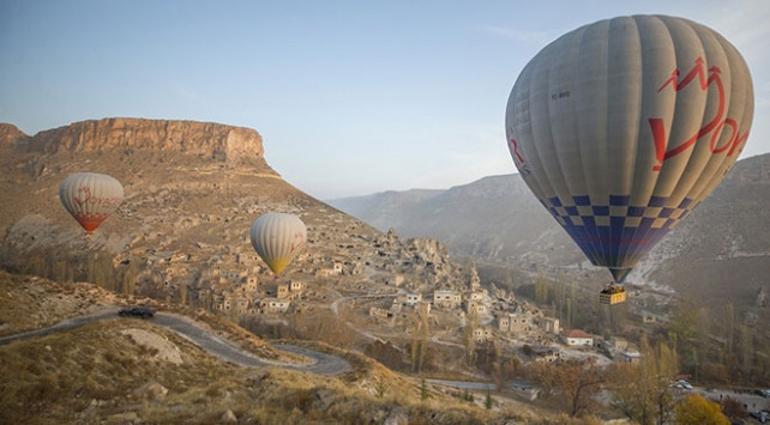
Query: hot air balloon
{"x": 90, "y": 198}
{"x": 277, "y": 238}
{"x": 622, "y": 127}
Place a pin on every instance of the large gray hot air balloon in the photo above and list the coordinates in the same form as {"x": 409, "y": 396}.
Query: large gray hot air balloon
{"x": 622, "y": 127}
{"x": 278, "y": 238}
{"x": 90, "y": 198}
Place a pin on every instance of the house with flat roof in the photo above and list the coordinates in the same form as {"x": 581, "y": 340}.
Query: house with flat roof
{"x": 446, "y": 298}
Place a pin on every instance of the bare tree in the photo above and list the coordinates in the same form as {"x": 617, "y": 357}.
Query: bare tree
{"x": 420, "y": 336}
{"x": 469, "y": 341}
{"x": 575, "y": 383}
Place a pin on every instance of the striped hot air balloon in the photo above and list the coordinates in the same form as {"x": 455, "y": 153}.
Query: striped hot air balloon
{"x": 622, "y": 127}
{"x": 278, "y": 238}
{"x": 90, "y": 198}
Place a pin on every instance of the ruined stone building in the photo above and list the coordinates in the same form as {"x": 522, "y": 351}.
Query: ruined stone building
{"x": 446, "y": 299}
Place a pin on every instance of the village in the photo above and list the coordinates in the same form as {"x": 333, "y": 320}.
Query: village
{"x": 380, "y": 281}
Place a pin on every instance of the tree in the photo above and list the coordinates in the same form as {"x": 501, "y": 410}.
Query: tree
{"x": 576, "y": 383}
{"x": 420, "y": 337}
{"x": 746, "y": 350}
{"x": 729, "y": 326}
{"x": 733, "y": 409}
{"x": 541, "y": 290}
{"x": 488, "y": 402}
{"x": 696, "y": 410}
{"x": 423, "y": 390}
{"x": 469, "y": 341}
{"x": 643, "y": 391}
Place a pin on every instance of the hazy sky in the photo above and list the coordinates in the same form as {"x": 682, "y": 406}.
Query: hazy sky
{"x": 350, "y": 97}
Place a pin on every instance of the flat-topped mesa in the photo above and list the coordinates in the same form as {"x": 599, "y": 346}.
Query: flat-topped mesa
{"x": 10, "y": 134}
{"x": 212, "y": 140}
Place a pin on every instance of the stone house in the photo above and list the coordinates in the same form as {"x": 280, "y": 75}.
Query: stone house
{"x": 475, "y": 296}
{"x": 477, "y": 307}
{"x": 275, "y": 305}
{"x": 241, "y": 304}
{"x": 412, "y": 298}
{"x": 483, "y": 334}
{"x": 296, "y": 286}
{"x": 515, "y": 322}
{"x": 335, "y": 270}
{"x": 548, "y": 324}
{"x": 280, "y": 291}
{"x": 395, "y": 280}
{"x": 251, "y": 283}
{"x": 379, "y": 313}
{"x": 446, "y": 299}
{"x": 546, "y": 354}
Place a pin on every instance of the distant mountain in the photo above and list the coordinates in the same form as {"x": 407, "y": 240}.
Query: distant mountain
{"x": 495, "y": 219}
{"x": 382, "y": 209}
{"x": 723, "y": 246}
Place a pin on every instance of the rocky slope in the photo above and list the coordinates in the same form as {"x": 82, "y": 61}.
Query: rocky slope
{"x": 9, "y": 134}
{"x": 192, "y": 192}
{"x": 721, "y": 252}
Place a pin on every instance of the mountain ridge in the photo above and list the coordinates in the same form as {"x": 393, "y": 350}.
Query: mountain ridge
{"x": 219, "y": 141}
{"x": 496, "y": 220}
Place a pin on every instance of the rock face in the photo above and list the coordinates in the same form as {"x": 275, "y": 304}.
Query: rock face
{"x": 10, "y": 134}
{"x": 210, "y": 140}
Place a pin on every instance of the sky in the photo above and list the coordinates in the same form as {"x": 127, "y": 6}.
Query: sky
{"x": 351, "y": 98}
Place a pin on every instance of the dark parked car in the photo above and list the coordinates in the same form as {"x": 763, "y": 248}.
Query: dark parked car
{"x": 762, "y": 416}
{"x": 143, "y": 312}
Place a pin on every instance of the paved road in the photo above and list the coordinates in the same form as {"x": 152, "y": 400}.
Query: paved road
{"x": 320, "y": 363}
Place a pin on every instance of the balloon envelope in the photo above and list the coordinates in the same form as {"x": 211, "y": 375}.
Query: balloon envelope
{"x": 277, "y": 238}
{"x": 90, "y": 198}
{"x": 622, "y": 127}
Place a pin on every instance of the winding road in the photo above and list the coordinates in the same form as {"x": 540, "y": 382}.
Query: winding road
{"x": 321, "y": 363}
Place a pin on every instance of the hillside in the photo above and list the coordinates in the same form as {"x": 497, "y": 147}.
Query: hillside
{"x": 119, "y": 371}
{"x": 192, "y": 192}
{"x": 721, "y": 252}
{"x": 181, "y": 236}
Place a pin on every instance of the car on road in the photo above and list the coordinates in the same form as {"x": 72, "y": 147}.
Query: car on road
{"x": 142, "y": 312}
{"x": 763, "y": 416}
{"x": 765, "y": 392}
{"x": 682, "y": 385}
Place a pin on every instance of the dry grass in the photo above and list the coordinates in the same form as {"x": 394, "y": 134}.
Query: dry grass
{"x": 31, "y": 302}
{"x": 93, "y": 373}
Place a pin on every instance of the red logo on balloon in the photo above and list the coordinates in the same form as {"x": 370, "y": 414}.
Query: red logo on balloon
{"x": 714, "y": 126}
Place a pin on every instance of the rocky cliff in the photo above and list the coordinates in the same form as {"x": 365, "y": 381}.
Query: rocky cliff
{"x": 192, "y": 191}
{"x": 9, "y": 134}
{"x": 209, "y": 140}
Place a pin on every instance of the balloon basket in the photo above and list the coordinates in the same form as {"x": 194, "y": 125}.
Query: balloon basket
{"x": 613, "y": 294}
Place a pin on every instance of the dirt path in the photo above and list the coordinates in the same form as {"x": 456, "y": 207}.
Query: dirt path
{"x": 321, "y": 363}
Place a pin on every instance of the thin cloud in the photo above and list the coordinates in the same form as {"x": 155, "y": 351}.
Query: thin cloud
{"x": 519, "y": 35}
{"x": 746, "y": 27}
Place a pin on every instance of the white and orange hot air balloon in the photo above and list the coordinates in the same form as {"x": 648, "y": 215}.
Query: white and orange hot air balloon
{"x": 622, "y": 127}
{"x": 278, "y": 238}
{"x": 90, "y": 198}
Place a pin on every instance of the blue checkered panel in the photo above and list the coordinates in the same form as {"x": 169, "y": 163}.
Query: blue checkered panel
{"x": 619, "y": 234}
